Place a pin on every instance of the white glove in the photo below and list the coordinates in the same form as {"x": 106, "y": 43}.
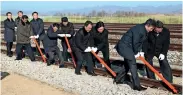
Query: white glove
{"x": 68, "y": 35}
{"x": 32, "y": 37}
{"x": 15, "y": 28}
{"x": 36, "y": 36}
{"x": 161, "y": 57}
{"x": 61, "y": 35}
{"x": 68, "y": 50}
{"x": 88, "y": 49}
{"x": 141, "y": 54}
{"x": 137, "y": 55}
{"x": 94, "y": 49}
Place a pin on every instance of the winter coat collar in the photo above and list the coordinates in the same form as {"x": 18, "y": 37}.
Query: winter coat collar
{"x": 9, "y": 20}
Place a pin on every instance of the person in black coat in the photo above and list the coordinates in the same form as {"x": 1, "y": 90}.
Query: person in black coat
{"x": 67, "y": 29}
{"x": 82, "y": 48}
{"x": 38, "y": 29}
{"x": 9, "y": 34}
{"x": 18, "y": 19}
{"x": 130, "y": 46}
{"x": 50, "y": 45}
{"x": 157, "y": 45}
{"x": 100, "y": 35}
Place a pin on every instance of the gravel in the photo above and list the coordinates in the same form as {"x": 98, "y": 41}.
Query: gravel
{"x": 65, "y": 78}
{"x": 174, "y": 57}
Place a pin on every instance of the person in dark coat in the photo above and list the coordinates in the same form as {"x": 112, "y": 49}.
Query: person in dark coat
{"x": 18, "y": 19}
{"x": 82, "y": 48}
{"x": 158, "y": 45}
{"x": 38, "y": 29}
{"x": 66, "y": 28}
{"x": 100, "y": 35}
{"x": 24, "y": 33}
{"x": 9, "y": 34}
{"x": 50, "y": 45}
{"x": 129, "y": 47}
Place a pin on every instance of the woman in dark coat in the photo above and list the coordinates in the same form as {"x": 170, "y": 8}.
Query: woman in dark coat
{"x": 100, "y": 36}
{"x": 9, "y": 34}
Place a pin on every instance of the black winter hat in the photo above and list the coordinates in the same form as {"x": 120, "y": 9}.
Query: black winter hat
{"x": 64, "y": 19}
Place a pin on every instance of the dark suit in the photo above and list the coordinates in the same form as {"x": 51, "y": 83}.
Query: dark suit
{"x": 38, "y": 29}
{"x": 129, "y": 45}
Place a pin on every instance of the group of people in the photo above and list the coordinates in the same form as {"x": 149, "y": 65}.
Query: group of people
{"x": 147, "y": 40}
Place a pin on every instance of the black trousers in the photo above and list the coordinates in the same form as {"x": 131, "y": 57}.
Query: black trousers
{"x": 28, "y": 50}
{"x": 164, "y": 68}
{"x": 105, "y": 53}
{"x": 53, "y": 51}
{"x": 81, "y": 57}
{"x": 130, "y": 63}
{"x": 9, "y": 47}
{"x": 65, "y": 52}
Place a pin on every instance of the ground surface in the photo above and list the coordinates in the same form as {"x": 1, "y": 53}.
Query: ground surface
{"x": 15, "y": 84}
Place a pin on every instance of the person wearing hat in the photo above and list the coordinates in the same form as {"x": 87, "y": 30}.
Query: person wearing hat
{"x": 66, "y": 29}
{"x": 157, "y": 45}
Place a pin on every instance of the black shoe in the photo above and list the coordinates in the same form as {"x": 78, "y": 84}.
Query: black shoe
{"x": 92, "y": 74}
{"x": 120, "y": 77}
{"x": 78, "y": 73}
{"x": 48, "y": 63}
{"x": 33, "y": 60}
{"x": 10, "y": 55}
{"x": 119, "y": 82}
{"x": 139, "y": 88}
{"x": 61, "y": 66}
{"x": 18, "y": 59}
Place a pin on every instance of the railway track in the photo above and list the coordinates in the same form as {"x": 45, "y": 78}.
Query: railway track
{"x": 115, "y": 29}
{"x": 113, "y": 41}
{"x": 144, "y": 81}
{"x": 175, "y": 72}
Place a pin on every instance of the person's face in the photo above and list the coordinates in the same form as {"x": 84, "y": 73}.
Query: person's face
{"x": 65, "y": 23}
{"x": 24, "y": 20}
{"x": 55, "y": 29}
{"x": 149, "y": 28}
{"x": 9, "y": 16}
{"x": 20, "y": 14}
{"x": 35, "y": 16}
{"x": 100, "y": 29}
{"x": 158, "y": 29}
{"x": 88, "y": 28}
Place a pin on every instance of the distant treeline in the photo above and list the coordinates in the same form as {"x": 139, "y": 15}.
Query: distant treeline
{"x": 104, "y": 13}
